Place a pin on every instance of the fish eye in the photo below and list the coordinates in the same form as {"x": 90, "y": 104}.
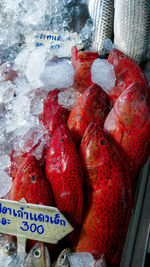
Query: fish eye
{"x": 122, "y": 56}
{"x": 7, "y": 248}
{"x": 6, "y": 72}
{"x": 33, "y": 179}
{"x": 63, "y": 256}
{"x": 37, "y": 253}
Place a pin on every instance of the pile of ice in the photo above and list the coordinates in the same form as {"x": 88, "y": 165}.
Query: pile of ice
{"x": 103, "y": 74}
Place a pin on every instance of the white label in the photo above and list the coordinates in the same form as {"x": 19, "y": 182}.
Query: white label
{"x": 54, "y": 41}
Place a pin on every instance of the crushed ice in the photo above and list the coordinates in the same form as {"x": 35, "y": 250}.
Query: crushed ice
{"x": 85, "y": 259}
{"x": 11, "y": 261}
{"x": 108, "y": 45}
{"x": 5, "y": 181}
{"x": 68, "y": 98}
{"x": 103, "y": 74}
{"x": 58, "y": 74}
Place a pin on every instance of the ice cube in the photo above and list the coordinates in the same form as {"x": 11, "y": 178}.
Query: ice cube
{"x": 36, "y": 99}
{"x": 5, "y": 261}
{"x": 103, "y": 74}
{"x": 85, "y": 259}
{"x": 68, "y": 98}
{"x": 23, "y": 87}
{"x": 11, "y": 261}
{"x": 4, "y": 162}
{"x": 35, "y": 66}
{"x": 7, "y": 91}
{"x": 21, "y": 61}
{"x": 108, "y": 45}
{"x": 9, "y": 95}
{"x": 32, "y": 140}
{"x": 86, "y": 33}
{"x": 21, "y": 106}
{"x": 58, "y": 74}
{"x": 5, "y": 182}
{"x": 82, "y": 259}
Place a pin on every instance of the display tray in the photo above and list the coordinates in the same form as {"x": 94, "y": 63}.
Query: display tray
{"x": 136, "y": 252}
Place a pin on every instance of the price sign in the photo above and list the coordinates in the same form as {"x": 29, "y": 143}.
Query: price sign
{"x": 55, "y": 42}
{"x": 30, "y": 221}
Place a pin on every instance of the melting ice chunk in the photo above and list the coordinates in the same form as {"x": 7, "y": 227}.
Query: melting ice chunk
{"x": 36, "y": 98}
{"x": 58, "y": 74}
{"x": 103, "y": 74}
{"x": 68, "y": 98}
{"x": 7, "y": 91}
{"x": 4, "y": 162}
{"x": 35, "y": 66}
{"x": 85, "y": 259}
{"x": 108, "y": 45}
{"x": 32, "y": 139}
{"x": 21, "y": 61}
{"x": 11, "y": 261}
{"x": 81, "y": 260}
{"x": 5, "y": 182}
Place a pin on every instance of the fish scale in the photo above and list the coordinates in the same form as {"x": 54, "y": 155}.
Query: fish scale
{"x": 132, "y": 28}
{"x": 101, "y": 12}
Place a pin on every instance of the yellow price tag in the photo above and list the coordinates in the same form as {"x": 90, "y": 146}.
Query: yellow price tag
{"x": 30, "y": 221}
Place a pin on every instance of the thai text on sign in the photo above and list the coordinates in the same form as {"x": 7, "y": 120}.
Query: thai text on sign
{"x": 32, "y": 221}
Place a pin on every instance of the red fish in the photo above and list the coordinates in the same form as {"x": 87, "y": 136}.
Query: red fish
{"x": 53, "y": 114}
{"x": 6, "y": 72}
{"x": 108, "y": 197}
{"x": 82, "y": 62}
{"x": 93, "y": 105}
{"x": 127, "y": 72}
{"x": 29, "y": 183}
{"x": 128, "y": 125}
{"x": 64, "y": 172}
